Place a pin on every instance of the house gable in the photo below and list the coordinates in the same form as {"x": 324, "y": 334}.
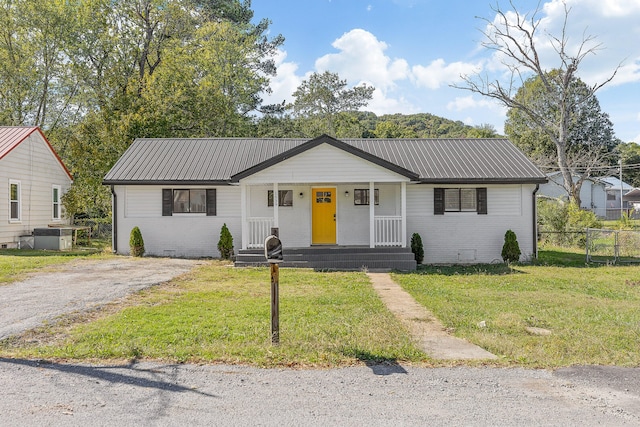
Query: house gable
{"x": 12, "y": 136}
{"x": 324, "y": 163}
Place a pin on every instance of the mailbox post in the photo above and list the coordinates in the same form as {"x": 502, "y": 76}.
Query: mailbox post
{"x": 273, "y": 254}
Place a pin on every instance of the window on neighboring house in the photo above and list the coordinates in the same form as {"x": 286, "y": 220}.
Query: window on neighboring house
{"x": 611, "y": 196}
{"x": 190, "y": 201}
{"x": 14, "y": 200}
{"x": 55, "y": 196}
{"x": 285, "y": 198}
{"x": 459, "y": 200}
{"x": 361, "y": 196}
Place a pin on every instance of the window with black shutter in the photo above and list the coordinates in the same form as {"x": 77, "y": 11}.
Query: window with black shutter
{"x": 481, "y": 195}
{"x": 438, "y": 201}
{"x": 211, "y": 202}
{"x": 167, "y": 202}
{"x": 459, "y": 200}
{"x": 188, "y": 201}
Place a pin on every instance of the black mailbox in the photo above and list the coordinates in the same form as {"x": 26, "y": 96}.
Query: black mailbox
{"x": 273, "y": 249}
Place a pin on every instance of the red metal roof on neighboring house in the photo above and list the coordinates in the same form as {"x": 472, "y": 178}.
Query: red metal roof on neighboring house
{"x": 12, "y": 136}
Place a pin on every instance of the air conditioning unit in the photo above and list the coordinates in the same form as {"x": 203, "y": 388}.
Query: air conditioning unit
{"x": 55, "y": 239}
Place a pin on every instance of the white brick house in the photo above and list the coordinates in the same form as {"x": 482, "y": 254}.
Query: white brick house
{"x": 460, "y": 195}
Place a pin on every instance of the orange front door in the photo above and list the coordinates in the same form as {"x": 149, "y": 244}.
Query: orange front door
{"x": 323, "y": 216}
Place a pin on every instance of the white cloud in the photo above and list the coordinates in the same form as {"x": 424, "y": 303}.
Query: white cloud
{"x": 381, "y": 103}
{"x": 468, "y": 102}
{"x": 361, "y": 58}
{"x": 438, "y": 73}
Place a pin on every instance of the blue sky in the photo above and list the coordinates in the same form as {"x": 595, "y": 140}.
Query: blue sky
{"x": 411, "y": 51}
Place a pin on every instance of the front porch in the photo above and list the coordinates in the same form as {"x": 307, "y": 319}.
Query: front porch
{"x": 335, "y": 258}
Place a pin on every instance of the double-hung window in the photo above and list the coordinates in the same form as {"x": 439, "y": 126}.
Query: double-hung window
{"x": 361, "y": 196}
{"x": 188, "y": 201}
{"x": 14, "y": 201}
{"x": 459, "y": 200}
{"x": 285, "y": 198}
{"x": 55, "y": 200}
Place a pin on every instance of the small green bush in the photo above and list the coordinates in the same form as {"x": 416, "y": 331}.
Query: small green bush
{"x": 136, "y": 244}
{"x": 225, "y": 244}
{"x": 511, "y": 248}
{"x": 417, "y": 248}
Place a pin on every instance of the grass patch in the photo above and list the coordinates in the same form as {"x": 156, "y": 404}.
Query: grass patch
{"x": 15, "y": 264}
{"x": 591, "y": 310}
{"x": 221, "y": 314}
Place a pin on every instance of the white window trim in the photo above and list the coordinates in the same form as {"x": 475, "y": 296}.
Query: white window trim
{"x": 59, "y": 202}
{"x": 18, "y": 183}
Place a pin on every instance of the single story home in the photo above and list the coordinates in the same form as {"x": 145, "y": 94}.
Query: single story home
{"x": 32, "y": 182}
{"x": 460, "y": 195}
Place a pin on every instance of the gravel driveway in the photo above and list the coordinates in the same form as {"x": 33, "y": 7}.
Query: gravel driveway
{"x": 78, "y": 286}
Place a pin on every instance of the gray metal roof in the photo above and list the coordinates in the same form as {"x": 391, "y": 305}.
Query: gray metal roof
{"x": 219, "y": 160}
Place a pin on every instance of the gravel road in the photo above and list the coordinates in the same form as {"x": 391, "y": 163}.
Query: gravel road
{"x": 153, "y": 394}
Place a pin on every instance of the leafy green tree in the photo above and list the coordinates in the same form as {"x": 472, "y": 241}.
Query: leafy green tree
{"x": 483, "y": 131}
{"x": 148, "y": 68}
{"x": 320, "y": 99}
{"x": 630, "y": 155}
{"x": 589, "y": 139}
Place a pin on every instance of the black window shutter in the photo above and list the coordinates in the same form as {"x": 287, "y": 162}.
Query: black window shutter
{"x": 438, "y": 201}
{"x": 481, "y": 198}
{"x": 167, "y": 202}
{"x": 211, "y": 202}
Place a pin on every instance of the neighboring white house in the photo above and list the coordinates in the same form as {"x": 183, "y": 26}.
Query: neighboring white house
{"x": 615, "y": 190}
{"x": 32, "y": 182}
{"x": 460, "y": 195}
{"x": 599, "y": 195}
{"x": 593, "y": 194}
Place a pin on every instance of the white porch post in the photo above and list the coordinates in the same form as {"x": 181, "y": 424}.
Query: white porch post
{"x": 403, "y": 207}
{"x": 372, "y": 215}
{"x": 243, "y": 213}
{"x": 276, "y": 202}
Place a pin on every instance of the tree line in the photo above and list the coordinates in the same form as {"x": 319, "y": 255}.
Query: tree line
{"x": 96, "y": 74}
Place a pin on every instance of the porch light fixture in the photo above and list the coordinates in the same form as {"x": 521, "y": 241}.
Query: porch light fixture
{"x": 346, "y": 193}
{"x": 301, "y": 195}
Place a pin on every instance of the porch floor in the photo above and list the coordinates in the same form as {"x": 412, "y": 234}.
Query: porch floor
{"x": 333, "y": 257}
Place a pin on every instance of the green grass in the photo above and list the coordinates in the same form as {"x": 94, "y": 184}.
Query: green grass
{"x": 592, "y": 311}
{"x": 15, "y": 264}
{"x": 221, "y": 314}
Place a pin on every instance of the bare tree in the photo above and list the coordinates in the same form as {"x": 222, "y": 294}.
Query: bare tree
{"x": 513, "y": 37}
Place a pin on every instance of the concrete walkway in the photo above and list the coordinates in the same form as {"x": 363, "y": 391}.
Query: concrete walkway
{"x": 426, "y": 330}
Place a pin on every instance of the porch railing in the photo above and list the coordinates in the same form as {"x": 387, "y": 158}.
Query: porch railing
{"x": 388, "y": 231}
{"x": 259, "y": 229}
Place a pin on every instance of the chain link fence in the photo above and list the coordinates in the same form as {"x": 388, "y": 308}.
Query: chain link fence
{"x": 612, "y": 246}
